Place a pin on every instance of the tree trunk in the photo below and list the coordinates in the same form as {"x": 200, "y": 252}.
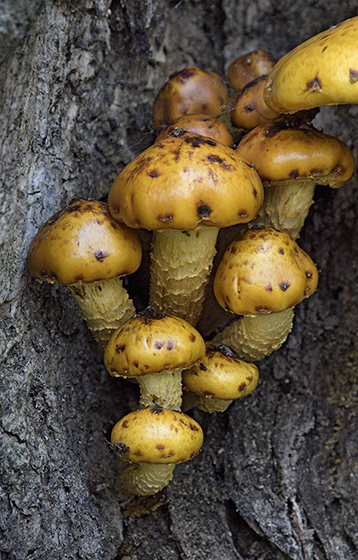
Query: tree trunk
{"x": 277, "y": 477}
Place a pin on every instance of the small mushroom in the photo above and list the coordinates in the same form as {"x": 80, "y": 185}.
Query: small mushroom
{"x": 204, "y": 125}
{"x": 154, "y": 348}
{"x": 263, "y": 274}
{"x": 249, "y": 109}
{"x": 185, "y": 188}
{"x": 321, "y": 71}
{"x": 154, "y": 440}
{"x": 291, "y": 161}
{"x": 191, "y": 90}
{"x": 248, "y": 67}
{"x": 218, "y": 379}
{"x": 84, "y": 248}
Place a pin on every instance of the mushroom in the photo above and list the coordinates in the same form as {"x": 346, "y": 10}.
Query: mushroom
{"x": 84, "y": 248}
{"x": 154, "y": 440}
{"x": 321, "y": 71}
{"x": 249, "y": 66}
{"x": 263, "y": 274}
{"x": 249, "y": 108}
{"x": 204, "y": 125}
{"x": 291, "y": 161}
{"x": 218, "y": 379}
{"x": 185, "y": 188}
{"x": 191, "y": 90}
{"x": 154, "y": 348}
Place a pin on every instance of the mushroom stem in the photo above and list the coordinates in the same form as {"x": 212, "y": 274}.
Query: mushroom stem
{"x": 286, "y": 206}
{"x": 255, "y": 336}
{"x": 207, "y": 404}
{"x": 181, "y": 262}
{"x": 104, "y": 305}
{"x": 162, "y": 389}
{"x": 145, "y": 479}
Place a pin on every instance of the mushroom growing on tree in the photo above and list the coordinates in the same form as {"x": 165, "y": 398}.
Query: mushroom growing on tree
{"x": 154, "y": 348}
{"x": 219, "y": 378}
{"x": 191, "y": 90}
{"x": 321, "y": 71}
{"x": 291, "y": 161}
{"x": 153, "y": 440}
{"x": 186, "y": 188}
{"x": 262, "y": 276}
{"x": 84, "y": 248}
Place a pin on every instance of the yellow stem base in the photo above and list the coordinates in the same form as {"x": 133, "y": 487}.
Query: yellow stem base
{"x": 162, "y": 389}
{"x": 104, "y": 305}
{"x": 181, "y": 263}
{"x": 254, "y": 337}
{"x": 145, "y": 479}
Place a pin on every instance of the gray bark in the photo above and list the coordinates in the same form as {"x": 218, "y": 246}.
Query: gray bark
{"x": 277, "y": 477}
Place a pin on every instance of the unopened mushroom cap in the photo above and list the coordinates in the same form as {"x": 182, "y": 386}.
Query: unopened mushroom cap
{"x": 249, "y": 108}
{"x": 204, "y": 125}
{"x": 82, "y": 243}
{"x": 320, "y": 71}
{"x": 151, "y": 342}
{"x": 157, "y": 435}
{"x": 264, "y": 271}
{"x": 191, "y": 90}
{"x": 221, "y": 375}
{"x": 185, "y": 181}
{"x": 284, "y": 153}
{"x": 249, "y": 66}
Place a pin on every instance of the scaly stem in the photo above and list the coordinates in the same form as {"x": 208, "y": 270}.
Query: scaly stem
{"x": 104, "y": 305}
{"x": 145, "y": 479}
{"x": 162, "y": 389}
{"x": 181, "y": 263}
{"x": 255, "y": 336}
{"x": 286, "y": 206}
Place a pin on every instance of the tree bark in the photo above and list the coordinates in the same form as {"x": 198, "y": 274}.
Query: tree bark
{"x": 277, "y": 477}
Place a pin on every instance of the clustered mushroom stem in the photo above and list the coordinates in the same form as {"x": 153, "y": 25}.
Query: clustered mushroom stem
{"x": 104, "y": 305}
{"x": 254, "y": 337}
{"x": 162, "y": 389}
{"x": 181, "y": 262}
{"x": 145, "y": 479}
{"x": 286, "y": 207}
{"x": 207, "y": 404}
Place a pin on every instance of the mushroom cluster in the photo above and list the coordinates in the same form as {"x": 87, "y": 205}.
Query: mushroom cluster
{"x": 193, "y": 181}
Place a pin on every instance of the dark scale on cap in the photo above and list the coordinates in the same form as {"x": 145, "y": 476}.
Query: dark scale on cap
{"x": 269, "y": 288}
{"x": 176, "y": 132}
{"x": 242, "y": 386}
{"x": 158, "y": 344}
{"x": 100, "y": 255}
{"x": 216, "y": 159}
{"x": 204, "y": 210}
{"x": 125, "y": 424}
{"x": 192, "y": 337}
{"x": 155, "y": 173}
{"x": 353, "y": 75}
{"x": 284, "y": 286}
{"x": 281, "y": 251}
{"x": 308, "y": 274}
{"x": 202, "y": 367}
{"x": 294, "y": 173}
{"x": 170, "y": 345}
{"x": 160, "y": 447}
{"x": 119, "y": 348}
{"x": 193, "y": 427}
{"x": 314, "y": 84}
{"x": 165, "y": 218}
{"x": 120, "y": 449}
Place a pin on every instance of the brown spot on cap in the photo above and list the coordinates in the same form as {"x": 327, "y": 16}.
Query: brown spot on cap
{"x": 202, "y": 367}
{"x": 284, "y": 286}
{"x": 204, "y": 210}
{"x": 155, "y": 173}
{"x": 242, "y": 387}
{"x": 100, "y": 255}
{"x": 160, "y": 447}
{"x": 158, "y": 344}
{"x": 165, "y": 218}
{"x": 353, "y": 75}
{"x": 193, "y": 427}
{"x": 314, "y": 84}
{"x": 119, "y": 348}
{"x": 125, "y": 424}
{"x": 170, "y": 345}
{"x": 192, "y": 337}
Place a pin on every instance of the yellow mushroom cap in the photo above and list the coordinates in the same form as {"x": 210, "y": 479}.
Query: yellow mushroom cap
{"x": 264, "y": 271}
{"x": 249, "y": 108}
{"x": 291, "y": 153}
{"x": 221, "y": 375}
{"x": 183, "y": 182}
{"x": 249, "y": 66}
{"x": 82, "y": 243}
{"x": 204, "y": 125}
{"x": 157, "y": 435}
{"x": 320, "y": 71}
{"x": 152, "y": 342}
{"x": 191, "y": 90}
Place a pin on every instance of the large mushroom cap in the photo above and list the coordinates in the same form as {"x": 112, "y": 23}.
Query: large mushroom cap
{"x": 221, "y": 375}
{"x": 264, "y": 271}
{"x": 185, "y": 181}
{"x": 291, "y": 153}
{"x": 249, "y": 66}
{"x": 82, "y": 243}
{"x": 320, "y": 71}
{"x": 191, "y": 90}
{"x": 157, "y": 435}
{"x": 152, "y": 342}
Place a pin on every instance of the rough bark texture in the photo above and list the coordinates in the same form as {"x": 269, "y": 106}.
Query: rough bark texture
{"x": 277, "y": 477}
